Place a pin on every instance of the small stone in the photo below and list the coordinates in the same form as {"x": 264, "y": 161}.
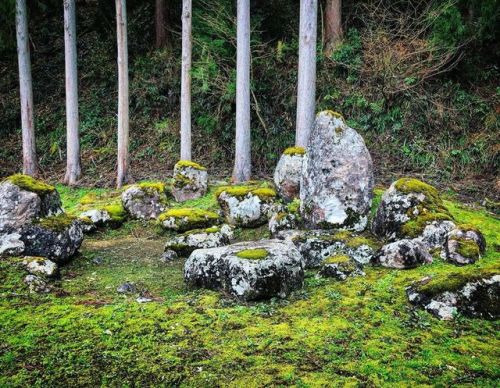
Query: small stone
{"x": 340, "y": 267}
{"x": 168, "y": 256}
{"x": 98, "y": 260}
{"x": 464, "y": 246}
{"x": 11, "y": 244}
{"x": 190, "y": 181}
{"x": 143, "y": 299}
{"x": 99, "y": 217}
{"x": 145, "y": 201}
{"x": 37, "y": 284}
{"x": 41, "y": 267}
{"x": 283, "y": 218}
{"x": 127, "y": 288}
{"x": 184, "y": 219}
{"x": 200, "y": 238}
{"x": 403, "y": 254}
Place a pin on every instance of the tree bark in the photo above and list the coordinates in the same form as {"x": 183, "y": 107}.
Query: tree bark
{"x": 306, "y": 89}
{"x": 187, "y": 44}
{"x": 333, "y": 25}
{"x": 30, "y": 166}
{"x": 73, "y": 168}
{"x": 161, "y": 32}
{"x": 243, "y": 164}
{"x": 123, "y": 102}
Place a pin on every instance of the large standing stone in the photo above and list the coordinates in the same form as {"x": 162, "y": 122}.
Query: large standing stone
{"x": 288, "y": 173}
{"x": 464, "y": 245}
{"x": 408, "y": 208}
{"x": 190, "y": 181}
{"x": 24, "y": 199}
{"x": 337, "y": 176}
{"x": 248, "y": 270}
{"x": 145, "y": 200}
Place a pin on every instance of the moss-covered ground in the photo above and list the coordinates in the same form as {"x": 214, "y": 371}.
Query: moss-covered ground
{"x": 360, "y": 332}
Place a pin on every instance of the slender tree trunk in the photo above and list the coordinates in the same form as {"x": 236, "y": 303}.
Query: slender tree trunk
{"x": 161, "y": 32}
{"x": 123, "y": 107}
{"x": 306, "y": 90}
{"x": 30, "y": 166}
{"x": 187, "y": 44}
{"x": 243, "y": 164}
{"x": 73, "y": 169}
{"x": 333, "y": 25}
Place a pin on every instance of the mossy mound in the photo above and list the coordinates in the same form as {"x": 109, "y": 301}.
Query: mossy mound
{"x": 337, "y": 259}
{"x": 211, "y": 230}
{"x": 295, "y": 151}
{"x": 108, "y": 202}
{"x": 28, "y": 183}
{"x": 188, "y": 163}
{"x": 184, "y": 219}
{"x": 253, "y": 254}
{"x": 57, "y": 223}
{"x": 332, "y": 113}
{"x": 264, "y": 193}
{"x": 153, "y": 187}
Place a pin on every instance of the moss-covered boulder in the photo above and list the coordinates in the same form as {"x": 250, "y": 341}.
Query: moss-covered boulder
{"x": 403, "y": 254}
{"x": 248, "y": 270}
{"x": 339, "y": 267}
{"x": 246, "y": 205}
{"x": 215, "y": 236}
{"x": 407, "y": 208}
{"x": 288, "y": 172}
{"x": 184, "y": 219}
{"x": 285, "y": 218}
{"x": 190, "y": 181}
{"x": 336, "y": 186}
{"x": 464, "y": 245}
{"x": 474, "y": 293}
{"x": 23, "y": 199}
{"x": 146, "y": 200}
{"x": 57, "y": 238}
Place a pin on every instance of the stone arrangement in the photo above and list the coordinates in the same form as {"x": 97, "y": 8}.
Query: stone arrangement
{"x": 190, "y": 181}
{"x": 145, "y": 201}
{"x": 288, "y": 173}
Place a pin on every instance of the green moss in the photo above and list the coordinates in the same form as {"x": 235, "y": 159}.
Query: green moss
{"x": 264, "y": 193}
{"x": 337, "y": 259}
{"x": 253, "y": 254}
{"x": 28, "y": 183}
{"x": 149, "y": 187}
{"x": 211, "y": 230}
{"x": 354, "y": 241}
{"x": 295, "y": 151}
{"x": 190, "y": 213}
{"x": 181, "y": 181}
{"x": 332, "y": 114}
{"x": 468, "y": 248}
{"x": 416, "y": 226}
{"x": 116, "y": 211}
{"x": 294, "y": 206}
{"x": 57, "y": 223}
{"x": 188, "y": 163}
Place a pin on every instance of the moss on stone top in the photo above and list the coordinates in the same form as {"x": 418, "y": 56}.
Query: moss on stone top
{"x": 57, "y": 223}
{"x": 468, "y": 248}
{"x": 412, "y": 185}
{"x": 28, "y": 183}
{"x": 337, "y": 259}
{"x": 158, "y": 187}
{"x": 211, "y": 230}
{"x": 191, "y": 214}
{"x": 332, "y": 113}
{"x": 188, "y": 163}
{"x": 264, "y": 193}
{"x": 253, "y": 254}
{"x": 116, "y": 211}
{"x": 295, "y": 151}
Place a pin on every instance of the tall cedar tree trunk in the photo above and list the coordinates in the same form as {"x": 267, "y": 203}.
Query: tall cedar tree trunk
{"x": 123, "y": 107}
{"x": 73, "y": 168}
{"x": 242, "y": 163}
{"x": 161, "y": 21}
{"x": 306, "y": 90}
{"x": 187, "y": 43}
{"x": 30, "y": 166}
{"x": 333, "y": 25}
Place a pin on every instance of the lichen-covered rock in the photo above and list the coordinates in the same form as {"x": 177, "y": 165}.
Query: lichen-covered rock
{"x": 11, "y": 244}
{"x": 23, "y": 199}
{"x": 246, "y": 206}
{"x": 185, "y": 219}
{"x": 288, "y": 173}
{"x": 248, "y": 270}
{"x": 337, "y": 176}
{"x": 403, "y": 254}
{"x": 37, "y": 284}
{"x": 435, "y": 233}
{"x": 340, "y": 267}
{"x": 145, "y": 201}
{"x": 285, "y": 218}
{"x": 57, "y": 238}
{"x": 212, "y": 237}
{"x": 41, "y": 267}
{"x": 471, "y": 294}
{"x": 464, "y": 245}
{"x": 98, "y": 217}
{"x": 407, "y": 208}
{"x": 169, "y": 256}
{"x": 318, "y": 245}
{"x": 190, "y": 181}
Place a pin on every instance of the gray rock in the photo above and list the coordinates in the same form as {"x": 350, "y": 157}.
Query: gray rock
{"x": 37, "y": 284}
{"x": 337, "y": 176}
{"x": 143, "y": 299}
{"x": 190, "y": 181}
{"x": 435, "y": 233}
{"x": 11, "y": 244}
{"x": 403, "y": 254}
{"x": 20, "y": 206}
{"x": 127, "y": 288}
{"x": 41, "y": 267}
{"x": 168, "y": 256}
{"x": 58, "y": 244}
{"x": 478, "y": 297}
{"x": 318, "y": 245}
{"x": 248, "y": 270}
{"x": 212, "y": 237}
{"x": 288, "y": 173}
{"x": 99, "y": 217}
{"x": 283, "y": 220}
{"x": 144, "y": 202}
{"x": 464, "y": 246}
{"x": 340, "y": 268}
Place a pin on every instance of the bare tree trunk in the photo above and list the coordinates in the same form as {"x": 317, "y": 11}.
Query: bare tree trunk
{"x": 123, "y": 113}
{"x": 187, "y": 43}
{"x": 161, "y": 32}
{"x": 333, "y": 25}
{"x": 242, "y": 162}
{"x": 306, "y": 90}
{"x": 73, "y": 168}
{"x": 30, "y": 166}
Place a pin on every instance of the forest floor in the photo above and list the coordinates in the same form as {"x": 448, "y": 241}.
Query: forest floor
{"x": 361, "y": 331}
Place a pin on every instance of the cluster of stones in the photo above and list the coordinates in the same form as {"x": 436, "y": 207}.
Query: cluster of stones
{"x": 33, "y": 224}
